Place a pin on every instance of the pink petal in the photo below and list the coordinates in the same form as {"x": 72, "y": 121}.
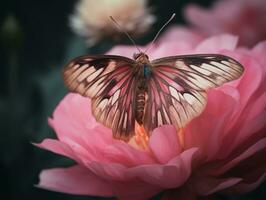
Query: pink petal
{"x": 243, "y": 187}
{"x": 251, "y": 170}
{"x": 209, "y": 185}
{"x": 124, "y": 187}
{"x": 258, "y": 105}
{"x": 108, "y": 171}
{"x": 217, "y": 43}
{"x": 121, "y": 152}
{"x": 58, "y": 148}
{"x": 170, "y": 175}
{"x": 251, "y": 78}
{"x": 123, "y": 50}
{"x": 164, "y": 143}
{"x": 243, "y": 18}
{"x": 181, "y": 33}
{"x": 259, "y": 52}
{"x": 196, "y": 15}
{"x": 74, "y": 180}
{"x": 170, "y": 49}
{"x": 72, "y": 118}
{"x": 254, "y": 149}
{"x": 248, "y": 129}
{"x": 207, "y": 131}
{"x": 177, "y": 40}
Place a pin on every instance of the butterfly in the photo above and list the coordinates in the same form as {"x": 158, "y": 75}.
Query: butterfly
{"x": 170, "y": 90}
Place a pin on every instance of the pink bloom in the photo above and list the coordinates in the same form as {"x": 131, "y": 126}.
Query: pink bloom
{"x": 223, "y": 149}
{"x": 244, "y": 18}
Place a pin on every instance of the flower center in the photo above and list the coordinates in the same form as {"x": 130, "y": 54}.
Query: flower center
{"x": 141, "y": 138}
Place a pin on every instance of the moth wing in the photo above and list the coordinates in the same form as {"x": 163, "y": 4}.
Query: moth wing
{"x": 170, "y": 103}
{"x": 109, "y": 82}
{"x": 178, "y": 84}
{"x": 199, "y": 72}
{"x": 92, "y": 76}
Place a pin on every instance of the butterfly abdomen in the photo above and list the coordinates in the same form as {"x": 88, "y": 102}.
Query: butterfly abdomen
{"x": 140, "y": 104}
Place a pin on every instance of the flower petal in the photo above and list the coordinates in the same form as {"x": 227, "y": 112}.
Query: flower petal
{"x": 254, "y": 149}
{"x": 121, "y": 152}
{"x": 243, "y": 187}
{"x": 209, "y": 185}
{"x": 57, "y": 147}
{"x": 207, "y": 131}
{"x": 217, "y": 43}
{"x": 74, "y": 180}
{"x": 72, "y": 117}
{"x": 164, "y": 143}
{"x": 171, "y": 175}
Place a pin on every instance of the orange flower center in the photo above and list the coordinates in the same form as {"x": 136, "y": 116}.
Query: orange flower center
{"x": 141, "y": 138}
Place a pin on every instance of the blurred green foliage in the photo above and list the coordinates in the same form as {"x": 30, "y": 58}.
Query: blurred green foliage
{"x": 36, "y": 41}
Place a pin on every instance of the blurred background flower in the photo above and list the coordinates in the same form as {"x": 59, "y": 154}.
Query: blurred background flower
{"x": 91, "y": 19}
{"x": 35, "y": 42}
{"x": 244, "y": 18}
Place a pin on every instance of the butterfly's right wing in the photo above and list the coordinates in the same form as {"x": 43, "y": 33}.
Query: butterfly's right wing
{"x": 178, "y": 84}
{"x": 109, "y": 81}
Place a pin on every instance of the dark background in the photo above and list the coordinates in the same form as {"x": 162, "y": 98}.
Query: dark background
{"x": 36, "y": 41}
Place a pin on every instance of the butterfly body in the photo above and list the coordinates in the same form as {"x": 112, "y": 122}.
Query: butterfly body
{"x": 170, "y": 90}
{"x": 143, "y": 68}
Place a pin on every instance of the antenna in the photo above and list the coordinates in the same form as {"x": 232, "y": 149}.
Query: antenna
{"x": 158, "y": 33}
{"x": 123, "y": 30}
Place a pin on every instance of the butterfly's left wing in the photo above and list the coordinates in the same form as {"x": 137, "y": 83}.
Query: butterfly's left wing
{"x": 110, "y": 82}
{"x": 178, "y": 84}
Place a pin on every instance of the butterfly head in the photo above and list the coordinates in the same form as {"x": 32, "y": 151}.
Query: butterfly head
{"x": 141, "y": 57}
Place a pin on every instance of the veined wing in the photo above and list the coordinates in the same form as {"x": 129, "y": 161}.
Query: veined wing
{"x": 92, "y": 76}
{"x": 178, "y": 84}
{"x": 109, "y": 81}
{"x": 199, "y": 72}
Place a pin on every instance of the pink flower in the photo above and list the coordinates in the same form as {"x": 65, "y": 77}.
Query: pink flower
{"x": 223, "y": 150}
{"x": 244, "y": 18}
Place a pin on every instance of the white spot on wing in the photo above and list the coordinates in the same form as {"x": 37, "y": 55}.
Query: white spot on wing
{"x": 125, "y": 122}
{"x": 166, "y": 116}
{"x": 94, "y": 75}
{"x": 201, "y": 82}
{"x": 115, "y": 96}
{"x": 159, "y": 118}
{"x": 201, "y": 70}
{"x": 211, "y": 68}
{"x": 102, "y": 104}
{"x": 94, "y": 88}
{"x": 189, "y": 98}
{"x": 85, "y": 73}
{"x": 180, "y": 64}
{"x": 72, "y": 76}
{"x": 220, "y": 65}
{"x": 233, "y": 65}
{"x": 174, "y": 93}
{"x": 76, "y": 66}
{"x": 111, "y": 67}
